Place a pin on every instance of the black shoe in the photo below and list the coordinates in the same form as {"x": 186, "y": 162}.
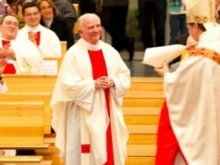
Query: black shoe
{"x": 130, "y": 48}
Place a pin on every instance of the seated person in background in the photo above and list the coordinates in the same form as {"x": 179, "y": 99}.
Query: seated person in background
{"x": 15, "y": 56}
{"x": 3, "y": 7}
{"x": 52, "y": 19}
{"x": 67, "y": 10}
{"x": 45, "y": 39}
{"x": 16, "y": 6}
{"x": 17, "y": 52}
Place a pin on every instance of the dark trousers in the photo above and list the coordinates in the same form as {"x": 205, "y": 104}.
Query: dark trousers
{"x": 114, "y": 21}
{"x": 177, "y": 26}
{"x": 87, "y": 6}
{"x": 152, "y": 13}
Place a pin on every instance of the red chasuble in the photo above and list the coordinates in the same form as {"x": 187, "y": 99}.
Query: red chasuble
{"x": 167, "y": 144}
{"x": 99, "y": 69}
{"x": 9, "y": 68}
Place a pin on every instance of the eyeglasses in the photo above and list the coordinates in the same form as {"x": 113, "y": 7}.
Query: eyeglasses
{"x": 45, "y": 7}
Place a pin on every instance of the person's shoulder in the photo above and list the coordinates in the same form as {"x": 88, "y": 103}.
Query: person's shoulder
{"x": 47, "y": 31}
{"x": 75, "y": 49}
{"x": 60, "y": 20}
{"x": 42, "y": 28}
{"x": 108, "y": 47}
{"x": 22, "y": 29}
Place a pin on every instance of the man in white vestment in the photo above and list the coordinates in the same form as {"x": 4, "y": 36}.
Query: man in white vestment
{"x": 16, "y": 56}
{"x": 189, "y": 128}
{"x": 21, "y": 56}
{"x": 87, "y": 99}
{"x": 45, "y": 39}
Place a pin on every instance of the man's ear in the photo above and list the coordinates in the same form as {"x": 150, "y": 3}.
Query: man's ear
{"x": 80, "y": 31}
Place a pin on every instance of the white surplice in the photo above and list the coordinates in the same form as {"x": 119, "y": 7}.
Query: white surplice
{"x": 28, "y": 57}
{"x": 49, "y": 42}
{"x": 74, "y": 92}
{"x": 193, "y": 98}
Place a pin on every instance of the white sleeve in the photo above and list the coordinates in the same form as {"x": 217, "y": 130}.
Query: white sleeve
{"x": 50, "y": 46}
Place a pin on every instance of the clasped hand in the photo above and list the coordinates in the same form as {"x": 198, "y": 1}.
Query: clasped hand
{"x": 6, "y": 52}
{"x": 162, "y": 70}
{"x": 104, "y": 83}
{"x": 32, "y": 37}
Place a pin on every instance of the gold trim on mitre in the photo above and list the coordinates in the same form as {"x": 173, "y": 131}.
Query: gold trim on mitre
{"x": 200, "y": 11}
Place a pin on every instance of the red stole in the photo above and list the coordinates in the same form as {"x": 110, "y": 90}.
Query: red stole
{"x": 99, "y": 69}
{"x": 37, "y": 37}
{"x": 9, "y": 68}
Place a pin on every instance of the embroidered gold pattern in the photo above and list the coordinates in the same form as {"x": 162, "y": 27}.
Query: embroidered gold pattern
{"x": 208, "y": 53}
{"x": 26, "y": 65}
{"x": 203, "y": 19}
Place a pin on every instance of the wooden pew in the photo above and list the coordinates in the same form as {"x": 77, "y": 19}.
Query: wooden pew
{"x": 21, "y": 124}
{"x": 26, "y": 162}
{"x": 22, "y": 127}
{"x": 32, "y": 97}
{"x": 21, "y": 159}
{"x": 63, "y": 48}
{"x": 45, "y": 83}
{"x": 30, "y": 83}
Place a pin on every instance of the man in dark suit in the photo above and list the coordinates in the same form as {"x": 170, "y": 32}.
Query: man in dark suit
{"x": 67, "y": 10}
{"x": 114, "y": 16}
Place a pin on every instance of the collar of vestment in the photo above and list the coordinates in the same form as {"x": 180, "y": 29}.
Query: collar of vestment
{"x": 205, "y": 52}
{"x": 90, "y": 46}
{"x": 48, "y": 22}
{"x": 33, "y": 29}
{"x": 11, "y": 41}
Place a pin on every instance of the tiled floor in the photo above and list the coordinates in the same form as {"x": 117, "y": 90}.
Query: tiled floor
{"x": 136, "y": 67}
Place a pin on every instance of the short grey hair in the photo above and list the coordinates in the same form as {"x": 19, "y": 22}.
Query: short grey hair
{"x": 82, "y": 18}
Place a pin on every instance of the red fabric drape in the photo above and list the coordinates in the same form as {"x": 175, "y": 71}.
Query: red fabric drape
{"x": 99, "y": 69}
{"x": 9, "y": 68}
{"x": 167, "y": 144}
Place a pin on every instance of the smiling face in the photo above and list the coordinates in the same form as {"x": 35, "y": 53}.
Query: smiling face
{"x": 46, "y": 10}
{"x": 91, "y": 29}
{"x": 32, "y": 16}
{"x": 9, "y": 27}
